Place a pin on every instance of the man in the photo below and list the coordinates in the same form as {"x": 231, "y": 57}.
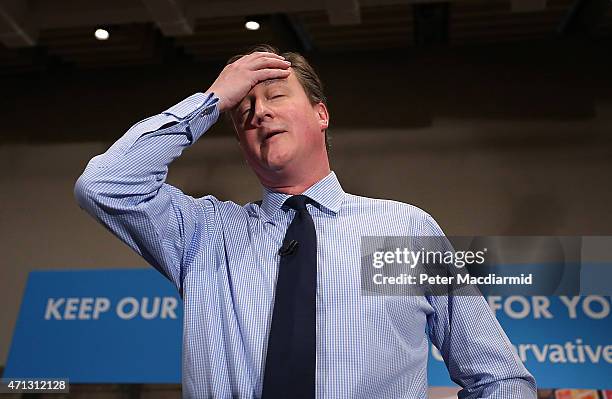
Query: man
{"x": 271, "y": 290}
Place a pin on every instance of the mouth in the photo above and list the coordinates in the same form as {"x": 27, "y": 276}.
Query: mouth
{"x": 268, "y": 135}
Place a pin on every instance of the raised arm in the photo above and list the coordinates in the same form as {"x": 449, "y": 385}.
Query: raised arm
{"x": 125, "y": 190}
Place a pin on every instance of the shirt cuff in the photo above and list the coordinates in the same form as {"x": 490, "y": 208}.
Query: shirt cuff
{"x": 199, "y": 110}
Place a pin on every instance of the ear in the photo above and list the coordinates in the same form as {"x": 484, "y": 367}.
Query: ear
{"x": 322, "y": 115}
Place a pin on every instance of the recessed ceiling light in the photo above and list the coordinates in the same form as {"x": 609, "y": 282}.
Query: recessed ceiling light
{"x": 101, "y": 34}
{"x": 251, "y": 25}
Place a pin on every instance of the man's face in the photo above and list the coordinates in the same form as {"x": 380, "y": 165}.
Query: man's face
{"x": 278, "y": 128}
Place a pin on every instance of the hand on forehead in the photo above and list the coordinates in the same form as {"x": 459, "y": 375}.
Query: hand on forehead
{"x": 239, "y": 78}
{"x": 264, "y": 85}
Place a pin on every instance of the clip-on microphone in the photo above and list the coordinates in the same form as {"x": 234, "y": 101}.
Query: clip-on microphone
{"x": 289, "y": 248}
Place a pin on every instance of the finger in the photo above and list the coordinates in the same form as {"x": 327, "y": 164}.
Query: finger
{"x": 271, "y": 73}
{"x": 259, "y": 54}
{"x": 267, "y": 63}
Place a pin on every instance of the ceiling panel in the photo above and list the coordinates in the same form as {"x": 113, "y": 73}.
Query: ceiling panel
{"x": 470, "y": 22}
{"x": 127, "y": 44}
{"x": 382, "y": 27}
{"x": 220, "y": 38}
{"x": 492, "y": 21}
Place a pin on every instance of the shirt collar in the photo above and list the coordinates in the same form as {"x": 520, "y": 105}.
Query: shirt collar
{"x": 327, "y": 192}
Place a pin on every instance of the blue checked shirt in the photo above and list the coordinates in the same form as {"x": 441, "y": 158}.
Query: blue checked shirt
{"x": 223, "y": 259}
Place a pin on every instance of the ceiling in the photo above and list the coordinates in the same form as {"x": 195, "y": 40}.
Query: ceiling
{"x": 37, "y": 35}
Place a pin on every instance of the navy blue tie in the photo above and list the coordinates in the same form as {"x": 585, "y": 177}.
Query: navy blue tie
{"x": 291, "y": 356}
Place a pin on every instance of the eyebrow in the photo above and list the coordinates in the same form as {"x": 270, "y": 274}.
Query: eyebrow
{"x": 275, "y": 80}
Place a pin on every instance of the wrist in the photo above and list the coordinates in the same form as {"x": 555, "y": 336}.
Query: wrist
{"x": 221, "y": 102}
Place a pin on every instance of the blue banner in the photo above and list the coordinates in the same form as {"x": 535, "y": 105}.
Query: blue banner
{"x": 98, "y": 326}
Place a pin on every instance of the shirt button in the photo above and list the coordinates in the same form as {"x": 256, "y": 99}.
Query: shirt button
{"x": 207, "y": 111}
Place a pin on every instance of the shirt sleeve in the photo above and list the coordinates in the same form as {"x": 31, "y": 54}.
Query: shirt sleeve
{"x": 476, "y": 350}
{"x": 125, "y": 190}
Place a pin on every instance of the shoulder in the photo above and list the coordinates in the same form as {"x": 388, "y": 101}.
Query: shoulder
{"x": 407, "y": 214}
{"x": 224, "y": 209}
{"x": 385, "y": 205}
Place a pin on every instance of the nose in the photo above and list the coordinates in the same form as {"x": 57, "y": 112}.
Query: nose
{"x": 261, "y": 112}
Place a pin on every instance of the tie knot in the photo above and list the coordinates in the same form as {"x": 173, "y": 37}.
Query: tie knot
{"x": 297, "y": 202}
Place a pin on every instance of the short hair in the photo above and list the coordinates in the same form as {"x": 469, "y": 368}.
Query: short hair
{"x": 305, "y": 73}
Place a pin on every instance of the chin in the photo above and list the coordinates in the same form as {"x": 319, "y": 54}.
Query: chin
{"x": 277, "y": 161}
{"x": 276, "y": 164}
